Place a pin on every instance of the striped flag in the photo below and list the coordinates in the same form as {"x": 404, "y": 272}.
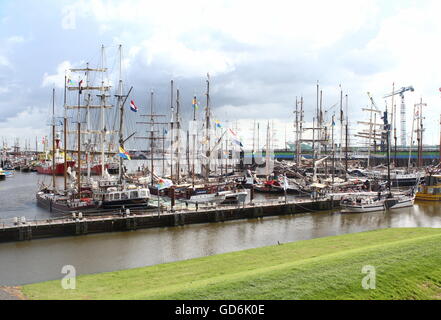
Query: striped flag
{"x": 195, "y": 103}
{"x": 124, "y": 154}
{"x": 164, "y": 184}
{"x": 133, "y": 106}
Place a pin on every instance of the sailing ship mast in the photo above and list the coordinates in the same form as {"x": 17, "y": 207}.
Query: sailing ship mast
{"x": 88, "y": 106}
{"x": 254, "y": 141}
{"x": 119, "y": 97}
{"x": 387, "y": 127}
{"x": 103, "y": 97}
{"x": 79, "y": 140}
{"x": 152, "y": 144}
{"x": 346, "y": 141}
{"x": 258, "y": 140}
{"x": 299, "y": 145}
{"x": 371, "y": 134}
{"x": 395, "y": 125}
{"x": 313, "y": 148}
{"x": 178, "y": 133}
{"x": 87, "y": 135}
{"x": 341, "y": 125}
{"x": 53, "y": 138}
{"x": 152, "y": 136}
{"x": 267, "y": 151}
{"x": 65, "y": 134}
{"x": 120, "y": 103}
{"x": 333, "y": 147}
{"x": 207, "y": 130}
{"x": 172, "y": 123}
{"x": 194, "y": 132}
{"x": 420, "y": 131}
{"x": 297, "y": 125}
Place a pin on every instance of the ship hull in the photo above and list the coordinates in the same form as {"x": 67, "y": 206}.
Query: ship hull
{"x": 427, "y": 197}
{"x": 59, "y": 168}
{"x": 362, "y": 209}
{"x": 126, "y": 204}
{"x": 390, "y": 203}
{"x": 403, "y": 204}
{"x": 97, "y": 169}
{"x": 52, "y": 206}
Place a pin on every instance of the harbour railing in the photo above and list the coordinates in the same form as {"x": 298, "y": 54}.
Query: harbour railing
{"x": 165, "y": 208}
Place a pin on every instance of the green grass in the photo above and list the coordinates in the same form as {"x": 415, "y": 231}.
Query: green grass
{"x": 407, "y": 263}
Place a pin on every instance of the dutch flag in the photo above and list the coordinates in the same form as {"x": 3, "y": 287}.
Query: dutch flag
{"x": 133, "y": 107}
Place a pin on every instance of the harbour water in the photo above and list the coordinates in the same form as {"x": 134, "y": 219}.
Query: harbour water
{"x": 40, "y": 260}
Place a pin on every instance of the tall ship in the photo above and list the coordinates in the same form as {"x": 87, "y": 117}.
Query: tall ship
{"x": 91, "y": 142}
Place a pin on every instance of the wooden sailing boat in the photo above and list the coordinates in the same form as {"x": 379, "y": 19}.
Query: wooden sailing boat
{"x": 51, "y": 198}
{"x": 105, "y": 192}
{"x": 57, "y": 163}
{"x": 206, "y": 190}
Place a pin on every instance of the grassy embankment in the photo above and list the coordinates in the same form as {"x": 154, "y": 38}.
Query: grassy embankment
{"x": 407, "y": 263}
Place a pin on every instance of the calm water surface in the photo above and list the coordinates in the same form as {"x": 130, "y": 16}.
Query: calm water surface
{"x": 40, "y": 260}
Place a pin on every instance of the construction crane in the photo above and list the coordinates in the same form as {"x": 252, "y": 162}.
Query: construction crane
{"x": 401, "y": 92}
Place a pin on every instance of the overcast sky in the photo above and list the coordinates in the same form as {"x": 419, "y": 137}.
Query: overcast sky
{"x": 260, "y": 55}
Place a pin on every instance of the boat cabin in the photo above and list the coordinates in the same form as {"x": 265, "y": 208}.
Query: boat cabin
{"x": 431, "y": 189}
{"x": 122, "y": 195}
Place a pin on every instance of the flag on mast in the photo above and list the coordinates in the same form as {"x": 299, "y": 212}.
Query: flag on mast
{"x": 80, "y": 86}
{"x": 124, "y": 154}
{"x": 195, "y": 103}
{"x": 133, "y": 106}
{"x": 164, "y": 184}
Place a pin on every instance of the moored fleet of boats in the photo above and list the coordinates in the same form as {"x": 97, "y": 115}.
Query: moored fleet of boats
{"x": 92, "y": 158}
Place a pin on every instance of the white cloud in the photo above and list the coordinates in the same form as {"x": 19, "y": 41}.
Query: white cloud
{"x": 4, "y": 62}
{"x": 261, "y": 55}
{"x": 16, "y": 39}
{"x": 182, "y": 60}
{"x": 57, "y": 79}
{"x": 27, "y": 124}
{"x": 4, "y": 90}
{"x": 282, "y": 27}
{"x": 408, "y": 39}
